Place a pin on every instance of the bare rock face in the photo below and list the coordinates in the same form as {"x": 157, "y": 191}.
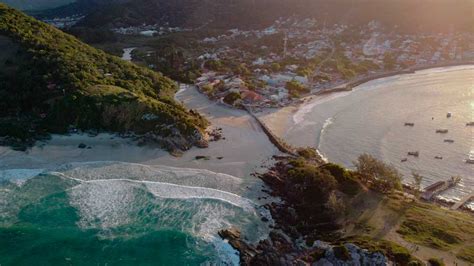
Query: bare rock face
{"x": 230, "y": 234}
{"x": 246, "y": 251}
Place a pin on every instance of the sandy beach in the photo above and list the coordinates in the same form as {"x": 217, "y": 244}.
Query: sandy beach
{"x": 243, "y": 150}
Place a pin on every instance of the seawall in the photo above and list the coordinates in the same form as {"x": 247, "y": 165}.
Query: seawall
{"x": 278, "y": 142}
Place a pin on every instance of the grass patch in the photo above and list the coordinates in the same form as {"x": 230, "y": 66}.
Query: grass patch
{"x": 437, "y": 228}
{"x": 467, "y": 254}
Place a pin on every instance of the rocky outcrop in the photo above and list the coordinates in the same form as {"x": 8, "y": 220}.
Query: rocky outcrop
{"x": 246, "y": 251}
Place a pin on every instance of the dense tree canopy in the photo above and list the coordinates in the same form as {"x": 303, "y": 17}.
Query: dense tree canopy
{"x": 59, "y": 81}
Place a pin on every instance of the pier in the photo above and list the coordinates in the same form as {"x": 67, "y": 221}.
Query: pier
{"x": 439, "y": 187}
{"x": 463, "y": 201}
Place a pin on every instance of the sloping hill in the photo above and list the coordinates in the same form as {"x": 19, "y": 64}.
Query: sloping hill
{"x": 50, "y": 81}
{"x": 407, "y": 15}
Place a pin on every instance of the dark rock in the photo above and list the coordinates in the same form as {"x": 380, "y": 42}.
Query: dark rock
{"x": 264, "y": 219}
{"x": 246, "y": 251}
{"x": 82, "y": 146}
{"x": 230, "y": 234}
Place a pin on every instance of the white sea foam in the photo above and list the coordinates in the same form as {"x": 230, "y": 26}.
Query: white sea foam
{"x": 299, "y": 116}
{"x": 180, "y": 176}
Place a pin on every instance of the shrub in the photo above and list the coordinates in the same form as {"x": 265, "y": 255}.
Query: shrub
{"x": 341, "y": 252}
{"x": 295, "y": 88}
{"x": 435, "y": 262}
{"x": 307, "y": 153}
{"x": 232, "y": 97}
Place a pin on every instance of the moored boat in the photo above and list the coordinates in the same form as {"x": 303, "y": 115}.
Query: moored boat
{"x": 439, "y": 157}
{"x": 449, "y": 141}
{"x": 470, "y": 124}
{"x": 441, "y": 131}
{"x": 409, "y": 124}
{"x": 449, "y": 114}
{"x": 414, "y": 153}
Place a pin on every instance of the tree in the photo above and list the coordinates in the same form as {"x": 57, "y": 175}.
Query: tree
{"x": 384, "y": 177}
{"x": 232, "y": 97}
{"x": 417, "y": 178}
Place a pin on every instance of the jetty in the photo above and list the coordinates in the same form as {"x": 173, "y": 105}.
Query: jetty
{"x": 278, "y": 142}
{"x": 463, "y": 201}
{"x": 439, "y": 187}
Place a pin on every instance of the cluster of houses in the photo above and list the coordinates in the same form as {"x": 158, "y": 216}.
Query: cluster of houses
{"x": 309, "y": 39}
{"x": 64, "y": 22}
{"x": 147, "y": 30}
{"x": 272, "y": 91}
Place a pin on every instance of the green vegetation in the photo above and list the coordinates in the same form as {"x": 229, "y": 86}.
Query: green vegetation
{"x": 379, "y": 175}
{"x": 467, "y": 254}
{"x": 347, "y": 180}
{"x": 371, "y": 208}
{"x": 232, "y": 97}
{"x": 435, "y": 262}
{"x": 426, "y": 225}
{"x": 61, "y": 82}
{"x": 341, "y": 252}
{"x": 295, "y": 88}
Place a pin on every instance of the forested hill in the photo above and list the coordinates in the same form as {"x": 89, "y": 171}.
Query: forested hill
{"x": 405, "y": 15}
{"x": 50, "y": 81}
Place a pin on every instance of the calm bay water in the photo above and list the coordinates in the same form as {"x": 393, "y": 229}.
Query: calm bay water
{"x": 371, "y": 120}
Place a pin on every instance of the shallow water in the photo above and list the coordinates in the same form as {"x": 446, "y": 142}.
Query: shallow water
{"x": 371, "y": 120}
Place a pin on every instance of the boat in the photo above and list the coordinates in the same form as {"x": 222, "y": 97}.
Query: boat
{"x": 449, "y": 141}
{"x": 441, "y": 131}
{"x": 414, "y": 153}
{"x": 439, "y": 157}
{"x": 408, "y": 124}
{"x": 448, "y": 115}
{"x": 470, "y": 124}
{"x": 470, "y": 160}
{"x": 404, "y": 160}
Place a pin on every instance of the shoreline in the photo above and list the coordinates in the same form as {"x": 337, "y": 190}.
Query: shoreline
{"x": 280, "y": 120}
{"x": 350, "y": 85}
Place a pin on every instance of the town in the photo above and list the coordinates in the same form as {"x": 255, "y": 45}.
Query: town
{"x": 278, "y": 65}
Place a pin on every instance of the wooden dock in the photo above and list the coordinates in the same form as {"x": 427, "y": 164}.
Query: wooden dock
{"x": 463, "y": 201}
